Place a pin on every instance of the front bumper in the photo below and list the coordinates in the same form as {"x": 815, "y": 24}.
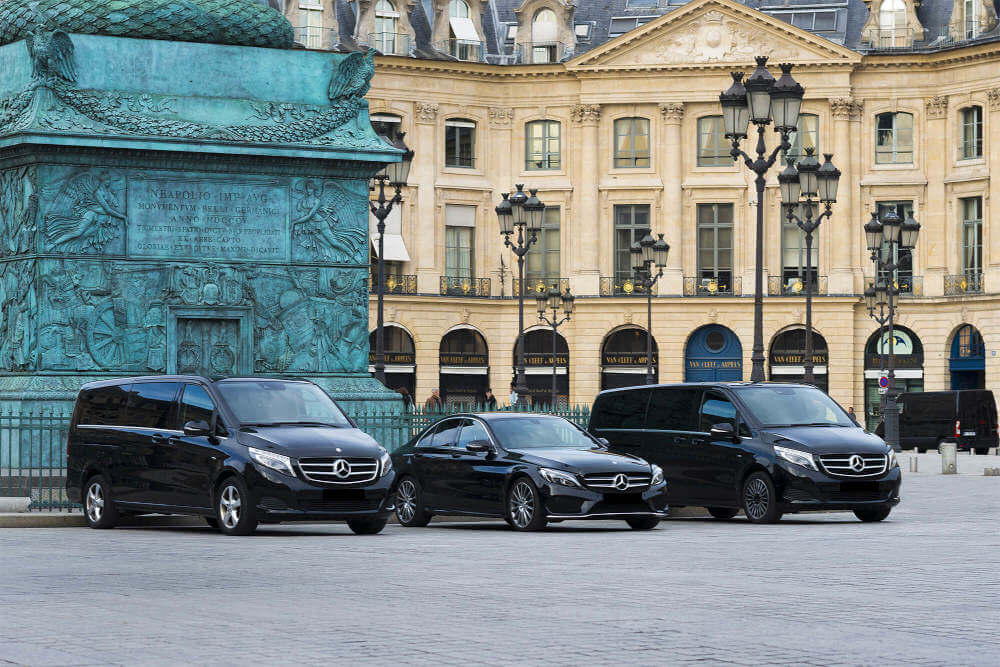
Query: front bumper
{"x": 563, "y": 502}
{"x": 279, "y": 497}
{"x": 801, "y": 489}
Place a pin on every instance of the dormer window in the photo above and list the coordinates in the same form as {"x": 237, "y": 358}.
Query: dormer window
{"x": 387, "y": 38}
{"x": 971, "y": 18}
{"x": 892, "y": 28}
{"x": 464, "y": 42}
{"x": 544, "y": 32}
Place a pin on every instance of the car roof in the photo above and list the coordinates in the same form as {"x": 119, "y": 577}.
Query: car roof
{"x": 492, "y": 416}
{"x": 179, "y": 378}
{"x": 706, "y": 384}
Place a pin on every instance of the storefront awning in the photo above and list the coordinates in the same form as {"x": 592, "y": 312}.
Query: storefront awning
{"x": 540, "y": 370}
{"x": 395, "y": 248}
{"x": 796, "y": 370}
{"x": 464, "y": 29}
{"x": 395, "y": 368}
{"x": 908, "y": 373}
{"x": 465, "y": 370}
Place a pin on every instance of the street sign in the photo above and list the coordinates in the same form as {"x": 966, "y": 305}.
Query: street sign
{"x": 882, "y": 390}
{"x": 883, "y": 383}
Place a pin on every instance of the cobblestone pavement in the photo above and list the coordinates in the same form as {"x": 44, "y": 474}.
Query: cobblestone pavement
{"x": 921, "y": 588}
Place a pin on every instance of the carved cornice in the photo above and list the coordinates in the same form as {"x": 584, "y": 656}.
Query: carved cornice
{"x": 993, "y": 95}
{"x": 426, "y": 112}
{"x": 844, "y": 108}
{"x": 501, "y": 117}
{"x": 672, "y": 112}
{"x": 936, "y": 107}
{"x": 586, "y": 114}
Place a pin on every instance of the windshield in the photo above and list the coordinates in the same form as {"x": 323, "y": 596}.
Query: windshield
{"x": 276, "y": 403}
{"x": 536, "y": 432}
{"x": 777, "y": 405}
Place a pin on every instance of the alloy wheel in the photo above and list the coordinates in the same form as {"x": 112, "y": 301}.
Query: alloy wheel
{"x": 756, "y": 498}
{"x": 522, "y": 504}
{"x": 229, "y": 506}
{"x": 406, "y": 501}
{"x": 95, "y": 502}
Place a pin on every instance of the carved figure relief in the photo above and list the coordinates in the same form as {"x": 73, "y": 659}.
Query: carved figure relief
{"x": 18, "y": 210}
{"x": 327, "y": 222}
{"x": 18, "y": 313}
{"x": 85, "y": 214}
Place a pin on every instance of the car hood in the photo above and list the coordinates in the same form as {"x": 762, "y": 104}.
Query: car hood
{"x": 310, "y": 441}
{"x": 582, "y": 460}
{"x": 826, "y": 439}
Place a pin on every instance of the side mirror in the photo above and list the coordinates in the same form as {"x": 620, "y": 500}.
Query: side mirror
{"x": 195, "y": 428}
{"x": 723, "y": 431}
{"x": 604, "y": 441}
{"x": 479, "y": 446}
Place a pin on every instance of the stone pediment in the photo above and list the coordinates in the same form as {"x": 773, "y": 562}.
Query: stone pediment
{"x": 712, "y": 32}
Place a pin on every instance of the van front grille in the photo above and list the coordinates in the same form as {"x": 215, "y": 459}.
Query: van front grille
{"x": 606, "y": 481}
{"x": 339, "y": 470}
{"x": 854, "y": 465}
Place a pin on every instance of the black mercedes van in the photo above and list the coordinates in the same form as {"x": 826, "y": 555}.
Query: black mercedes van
{"x": 967, "y": 417}
{"x": 239, "y": 452}
{"x": 765, "y": 448}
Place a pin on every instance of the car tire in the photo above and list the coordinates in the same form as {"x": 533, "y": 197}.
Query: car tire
{"x": 921, "y": 450}
{"x": 723, "y": 513}
{"x": 98, "y": 504}
{"x": 643, "y": 523}
{"x": 873, "y": 514}
{"x": 212, "y": 522}
{"x": 367, "y": 526}
{"x": 235, "y": 513}
{"x": 760, "y": 502}
{"x": 410, "y": 511}
{"x": 524, "y": 506}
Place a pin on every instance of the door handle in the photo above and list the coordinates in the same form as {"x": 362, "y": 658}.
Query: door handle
{"x": 157, "y": 439}
{"x": 678, "y": 440}
{"x": 456, "y": 455}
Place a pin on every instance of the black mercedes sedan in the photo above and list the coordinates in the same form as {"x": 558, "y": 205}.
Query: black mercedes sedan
{"x": 529, "y": 469}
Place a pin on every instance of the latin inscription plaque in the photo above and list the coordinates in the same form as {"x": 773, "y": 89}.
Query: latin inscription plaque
{"x": 207, "y": 219}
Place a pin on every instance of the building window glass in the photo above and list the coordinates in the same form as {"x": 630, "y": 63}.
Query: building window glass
{"x": 805, "y": 136}
{"x": 972, "y": 132}
{"x": 541, "y": 264}
{"x": 544, "y": 28}
{"x": 311, "y": 33}
{"x": 892, "y": 24}
{"x": 793, "y": 257}
{"x": 631, "y": 224}
{"x": 971, "y": 8}
{"x": 460, "y": 143}
{"x": 458, "y": 9}
{"x": 631, "y": 142}
{"x": 902, "y": 257}
{"x": 386, "y": 27}
{"x": 894, "y": 138}
{"x": 715, "y": 244}
{"x": 542, "y": 148}
{"x": 713, "y": 147}
{"x": 459, "y": 252}
{"x": 972, "y": 236}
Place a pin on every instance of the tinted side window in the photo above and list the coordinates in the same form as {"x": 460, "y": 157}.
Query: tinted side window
{"x": 621, "y": 409}
{"x": 716, "y": 409}
{"x": 196, "y": 405}
{"x": 151, "y": 404}
{"x": 104, "y": 406}
{"x": 447, "y": 434}
{"x": 674, "y": 409}
{"x": 428, "y": 438}
{"x": 472, "y": 430}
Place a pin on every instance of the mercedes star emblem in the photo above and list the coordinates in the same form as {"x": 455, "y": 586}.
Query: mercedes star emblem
{"x": 621, "y": 482}
{"x": 341, "y": 468}
{"x": 857, "y": 463}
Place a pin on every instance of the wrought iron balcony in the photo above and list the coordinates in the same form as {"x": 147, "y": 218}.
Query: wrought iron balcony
{"x": 611, "y": 286}
{"x": 694, "y": 286}
{"x": 963, "y": 283}
{"x": 539, "y": 286}
{"x": 794, "y": 286}
{"x": 887, "y": 39}
{"x": 315, "y": 37}
{"x": 390, "y": 43}
{"x": 451, "y": 286}
{"x": 461, "y": 49}
{"x": 394, "y": 284}
{"x": 539, "y": 53}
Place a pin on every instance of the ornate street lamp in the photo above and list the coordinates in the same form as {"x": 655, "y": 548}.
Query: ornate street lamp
{"x": 552, "y": 301}
{"x": 649, "y": 254}
{"x": 759, "y": 101}
{"x": 522, "y": 214}
{"x": 395, "y": 175}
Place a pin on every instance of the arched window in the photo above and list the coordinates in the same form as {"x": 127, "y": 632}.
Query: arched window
{"x": 464, "y": 42}
{"x": 971, "y": 10}
{"x": 787, "y": 357}
{"x": 892, "y": 24}
{"x": 623, "y": 358}
{"x": 544, "y": 32}
{"x": 542, "y": 144}
{"x": 631, "y": 142}
{"x": 972, "y": 132}
{"x": 386, "y": 38}
{"x": 894, "y": 138}
{"x": 458, "y": 9}
{"x": 464, "y": 368}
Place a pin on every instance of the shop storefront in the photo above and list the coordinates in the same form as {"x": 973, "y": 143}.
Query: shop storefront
{"x": 713, "y": 354}
{"x": 464, "y": 368}
{"x": 538, "y": 367}
{"x": 400, "y": 359}
{"x": 909, "y": 356}
{"x": 787, "y": 358}
{"x": 623, "y": 359}
{"x": 967, "y": 361}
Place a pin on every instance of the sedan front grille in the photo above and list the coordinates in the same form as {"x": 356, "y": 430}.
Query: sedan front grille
{"x": 611, "y": 481}
{"x": 854, "y": 465}
{"x": 339, "y": 470}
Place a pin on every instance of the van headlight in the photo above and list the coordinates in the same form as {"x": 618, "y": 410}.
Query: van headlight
{"x": 278, "y": 462}
{"x": 558, "y": 477}
{"x": 893, "y": 462}
{"x": 796, "y": 456}
{"x": 384, "y": 464}
{"x": 657, "y": 475}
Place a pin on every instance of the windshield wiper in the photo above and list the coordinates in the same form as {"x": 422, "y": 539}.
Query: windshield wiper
{"x": 295, "y": 423}
{"x": 804, "y": 424}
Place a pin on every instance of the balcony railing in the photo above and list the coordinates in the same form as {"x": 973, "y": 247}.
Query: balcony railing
{"x": 694, "y": 286}
{"x": 394, "y": 284}
{"x": 611, "y": 286}
{"x": 778, "y": 286}
{"x": 390, "y": 43}
{"x": 911, "y": 285}
{"x": 539, "y": 53}
{"x": 315, "y": 37}
{"x": 887, "y": 39}
{"x": 461, "y": 49}
{"x": 533, "y": 287}
{"x": 963, "y": 283}
{"x": 451, "y": 286}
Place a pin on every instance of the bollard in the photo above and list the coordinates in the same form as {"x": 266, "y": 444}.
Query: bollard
{"x": 913, "y": 464}
{"x": 949, "y": 458}
{"x": 992, "y": 472}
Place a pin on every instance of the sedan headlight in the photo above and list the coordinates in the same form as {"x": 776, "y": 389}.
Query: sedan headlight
{"x": 796, "y": 456}
{"x": 278, "y": 462}
{"x": 657, "y": 475}
{"x": 893, "y": 462}
{"x": 384, "y": 464}
{"x": 559, "y": 477}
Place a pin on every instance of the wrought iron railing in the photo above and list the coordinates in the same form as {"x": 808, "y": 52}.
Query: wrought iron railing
{"x": 695, "y": 286}
{"x": 451, "y": 286}
{"x": 404, "y": 284}
{"x": 461, "y": 49}
{"x": 911, "y": 285}
{"x": 779, "y": 286}
{"x": 390, "y": 43}
{"x": 611, "y": 286}
{"x": 540, "y": 53}
{"x": 887, "y": 39}
{"x": 963, "y": 283}
{"x": 539, "y": 286}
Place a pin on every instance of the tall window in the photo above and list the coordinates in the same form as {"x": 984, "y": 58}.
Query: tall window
{"x": 971, "y": 8}
{"x": 972, "y": 132}
{"x": 464, "y": 42}
{"x": 459, "y": 143}
{"x": 713, "y": 147}
{"x": 541, "y": 264}
{"x": 902, "y": 258}
{"x": 715, "y": 244}
{"x": 544, "y": 28}
{"x": 892, "y": 24}
{"x": 631, "y": 224}
{"x": 793, "y": 257}
{"x": 894, "y": 138}
{"x": 386, "y": 27}
{"x": 459, "y": 241}
{"x": 972, "y": 236}
{"x": 632, "y": 142}
{"x": 458, "y": 9}
{"x": 542, "y": 149}
{"x": 805, "y": 136}
{"x": 311, "y": 32}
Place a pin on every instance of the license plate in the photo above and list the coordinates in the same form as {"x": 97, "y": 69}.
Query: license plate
{"x": 968, "y": 432}
{"x": 859, "y": 487}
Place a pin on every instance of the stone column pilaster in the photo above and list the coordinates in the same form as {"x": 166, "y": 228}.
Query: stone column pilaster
{"x": 590, "y": 236}
{"x": 672, "y": 225}
{"x": 934, "y": 248}
{"x": 991, "y": 233}
{"x": 843, "y": 228}
{"x": 489, "y": 243}
{"x": 424, "y": 161}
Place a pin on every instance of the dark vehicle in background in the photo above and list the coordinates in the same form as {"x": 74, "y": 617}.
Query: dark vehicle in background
{"x": 967, "y": 417}
{"x": 764, "y": 448}
{"x": 529, "y": 469}
{"x": 239, "y": 452}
